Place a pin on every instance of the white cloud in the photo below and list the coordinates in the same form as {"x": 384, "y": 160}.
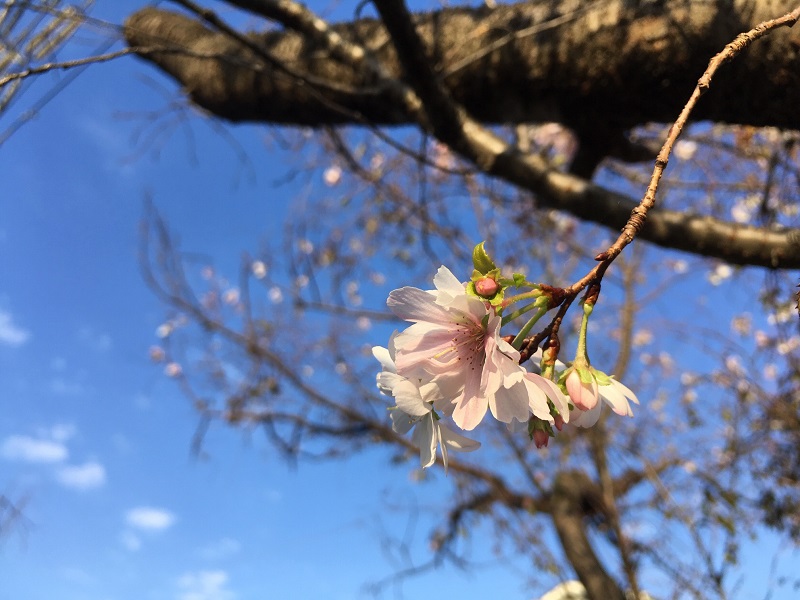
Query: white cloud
{"x": 220, "y": 549}
{"x": 11, "y": 334}
{"x": 149, "y": 518}
{"x": 28, "y": 449}
{"x": 130, "y": 540}
{"x": 204, "y": 585}
{"x": 82, "y": 477}
{"x": 61, "y": 432}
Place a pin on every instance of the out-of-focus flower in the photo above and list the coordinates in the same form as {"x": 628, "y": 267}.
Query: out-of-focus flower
{"x": 332, "y": 175}
{"x": 685, "y": 149}
{"x": 231, "y": 296}
{"x": 259, "y": 269}
{"x": 173, "y": 369}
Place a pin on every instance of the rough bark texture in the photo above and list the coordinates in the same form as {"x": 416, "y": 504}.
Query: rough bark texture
{"x": 599, "y": 68}
{"x": 575, "y": 497}
{"x": 611, "y": 63}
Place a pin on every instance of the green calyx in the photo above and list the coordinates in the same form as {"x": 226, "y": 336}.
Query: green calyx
{"x": 600, "y": 377}
{"x": 487, "y": 281}
{"x": 537, "y": 424}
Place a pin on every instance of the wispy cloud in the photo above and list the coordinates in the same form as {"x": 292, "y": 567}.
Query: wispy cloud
{"x": 63, "y": 387}
{"x": 11, "y": 334}
{"x": 60, "y": 432}
{"x": 149, "y": 518}
{"x": 82, "y": 477}
{"x": 220, "y": 549}
{"x": 28, "y": 449}
{"x": 96, "y": 340}
{"x": 130, "y": 540}
{"x": 204, "y": 585}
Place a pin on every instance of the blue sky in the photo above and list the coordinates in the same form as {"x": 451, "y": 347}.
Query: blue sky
{"x": 96, "y": 439}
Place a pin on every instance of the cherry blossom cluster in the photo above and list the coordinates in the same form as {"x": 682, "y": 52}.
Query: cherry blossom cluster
{"x": 453, "y": 365}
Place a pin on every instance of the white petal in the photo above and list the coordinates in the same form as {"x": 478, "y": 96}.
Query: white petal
{"x": 585, "y": 418}
{"x": 456, "y": 441}
{"x": 615, "y": 399}
{"x": 408, "y": 399}
{"x": 385, "y": 358}
{"x": 536, "y": 360}
{"x": 387, "y": 382}
{"x": 446, "y": 282}
{"x": 401, "y": 422}
{"x": 625, "y": 390}
{"x": 553, "y": 392}
{"x": 426, "y": 439}
{"x": 510, "y": 403}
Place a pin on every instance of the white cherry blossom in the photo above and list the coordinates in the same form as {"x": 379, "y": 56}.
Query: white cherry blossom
{"x": 415, "y": 401}
{"x": 456, "y": 339}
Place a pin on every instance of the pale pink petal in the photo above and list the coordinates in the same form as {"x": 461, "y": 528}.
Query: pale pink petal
{"x": 583, "y": 395}
{"x": 414, "y": 304}
{"x": 469, "y": 412}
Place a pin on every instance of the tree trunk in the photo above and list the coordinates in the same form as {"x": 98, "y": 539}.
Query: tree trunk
{"x": 574, "y": 496}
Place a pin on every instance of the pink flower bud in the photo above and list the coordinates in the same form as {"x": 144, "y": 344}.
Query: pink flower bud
{"x": 583, "y": 395}
{"x": 540, "y": 438}
{"x": 486, "y": 287}
{"x": 559, "y": 422}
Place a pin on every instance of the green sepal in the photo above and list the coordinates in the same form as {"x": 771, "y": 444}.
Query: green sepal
{"x": 585, "y": 375}
{"x": 601, "y": 378}
{"x": 483, "y": 264}
{"x": 537, "y": 424}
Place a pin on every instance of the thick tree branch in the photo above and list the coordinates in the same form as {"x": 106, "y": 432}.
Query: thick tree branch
{"x": 608, "y": 63}
{"x": 229, "y": 83}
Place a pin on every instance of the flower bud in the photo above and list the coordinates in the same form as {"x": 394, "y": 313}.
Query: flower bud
{"x": 486, "y": 287}
{"x": 540, "y": 438}
{"x": 558, "y": 422}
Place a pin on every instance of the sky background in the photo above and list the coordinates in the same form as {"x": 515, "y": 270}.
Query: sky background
{"x": 96, "y": 440}
{"x": 93, "y": 437}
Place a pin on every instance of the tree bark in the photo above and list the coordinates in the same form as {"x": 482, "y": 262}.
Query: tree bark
{"x": 574, "y": 496}
{"x": 599, "y": 68}
{"x": 616, "y": 63}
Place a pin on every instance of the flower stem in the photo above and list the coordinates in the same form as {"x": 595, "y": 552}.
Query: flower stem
{"x": 517, "y": 343}
{"x": 535, "y": 293}
{"x": 580, "y": 355}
